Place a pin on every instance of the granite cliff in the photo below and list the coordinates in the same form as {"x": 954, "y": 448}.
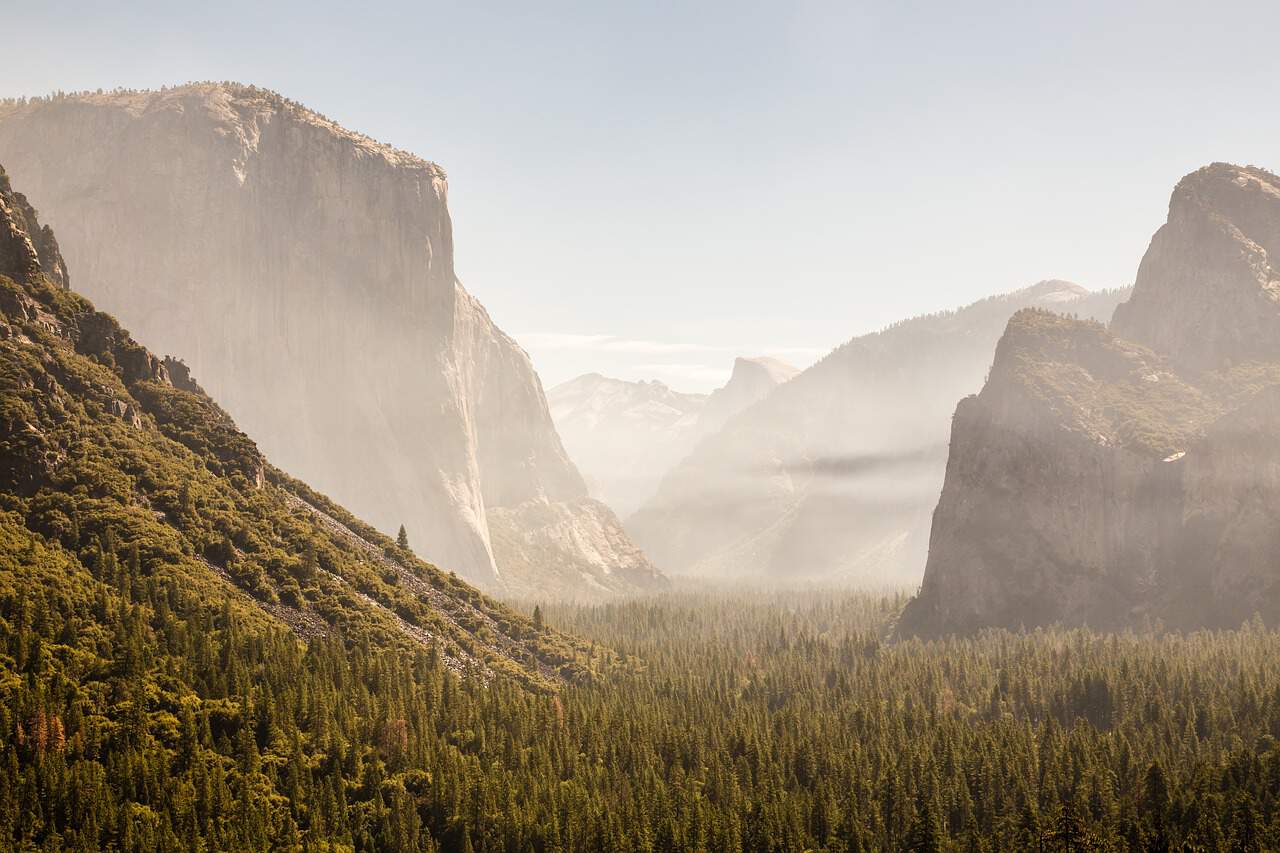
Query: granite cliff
{"x": 1132, "y": 474}
{"x": 834, "y": 473}
{"x": 752, "y": 380}
{"x": 1207, "y": 294}
{"x": 306, "y": 274}
{"x": 119, "y": 476}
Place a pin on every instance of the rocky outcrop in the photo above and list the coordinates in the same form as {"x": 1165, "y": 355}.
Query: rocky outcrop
{"x": 306, "y": 274}
{"x": 1105, "y": 481}
{"x": 1206, "y": 292}
{"x": 27, "y": 249}
{"x": 575, "y": 551}
{"x": 834, "y": 474}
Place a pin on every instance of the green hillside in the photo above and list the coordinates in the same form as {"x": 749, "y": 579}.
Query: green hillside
{"x": 161, "y": 582}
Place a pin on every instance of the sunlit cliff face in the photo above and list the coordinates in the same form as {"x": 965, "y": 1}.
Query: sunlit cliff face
{"x": 305, "y": 273}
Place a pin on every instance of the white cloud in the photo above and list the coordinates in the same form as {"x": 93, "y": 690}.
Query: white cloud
{"x": 612, "y": 344}
{"x": 705, "y": 373}
{"x": 606, "y": 343}
{"x": 561, "y": 341}
{"x": 688, "y": 366}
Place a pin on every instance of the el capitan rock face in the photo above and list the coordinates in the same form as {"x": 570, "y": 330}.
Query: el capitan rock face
{"x": 101, "y": 442}
{"x": 306, "y": 274}
{"x": 834, "y": 474}
{"x": 1106, "y": 477}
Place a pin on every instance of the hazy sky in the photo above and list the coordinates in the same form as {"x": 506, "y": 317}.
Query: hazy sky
{"x": 648, "y": 189}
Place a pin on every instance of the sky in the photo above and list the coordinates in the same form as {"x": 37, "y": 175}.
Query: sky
{"x": 647, "y": 190}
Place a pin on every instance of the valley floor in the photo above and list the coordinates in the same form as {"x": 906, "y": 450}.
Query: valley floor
{"x": 783, "y": 721}
{"x": 747, "y": 720}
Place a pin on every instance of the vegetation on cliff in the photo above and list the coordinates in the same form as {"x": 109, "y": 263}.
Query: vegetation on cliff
{"x": 1111, "y": 390}
{"x": 98, "y": 447}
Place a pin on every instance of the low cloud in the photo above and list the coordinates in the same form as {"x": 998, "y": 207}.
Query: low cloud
{"x": 855, "y": 465}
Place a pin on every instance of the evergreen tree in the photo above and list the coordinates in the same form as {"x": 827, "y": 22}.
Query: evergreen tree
{"x": 924, "y": 836}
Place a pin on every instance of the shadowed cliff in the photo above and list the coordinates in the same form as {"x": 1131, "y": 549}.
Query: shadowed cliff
{"x": 1115, "y": 477}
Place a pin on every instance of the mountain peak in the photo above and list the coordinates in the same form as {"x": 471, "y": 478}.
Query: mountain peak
{"x": 751, "y": 381}
{"x": 623, "y": 434}
{"x": 1054, "y": 291}
{"x": 1202, "y": 180}
{"x": 750, "y": 369}
{"x": 1207, "y": 295}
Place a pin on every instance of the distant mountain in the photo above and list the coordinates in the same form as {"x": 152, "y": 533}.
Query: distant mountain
{"x": 306, "y": 273}
{"x": 112, "y": 456}
{"x": 1114, "y": 476}
{"x": 623, "y": 435}
{"x": 626, "y": 435}
{"x": 752, "y": 380}
{"x": 834, "y": 474}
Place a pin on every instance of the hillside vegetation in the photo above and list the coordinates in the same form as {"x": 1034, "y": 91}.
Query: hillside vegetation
{"x": 780, "y": 721}
{"x": 1112, "y": 390}
{"x": 168, "y": 599}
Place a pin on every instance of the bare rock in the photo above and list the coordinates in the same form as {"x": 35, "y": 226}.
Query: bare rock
{"x": 306, "y": 274}
{"x": 1207, "y": 293}
{"x": 1128, "y": 476}
{"x": 573, "y": 550}
{"x": 27, "y": 248}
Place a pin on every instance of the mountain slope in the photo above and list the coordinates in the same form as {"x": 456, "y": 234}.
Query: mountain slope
{"x": 834, "y": 474}
{"x": 106, "y": 451}
{"x": 1102, "y": 480}
{"x": 626, "y": 435}
{"x": 342, "y": 341}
